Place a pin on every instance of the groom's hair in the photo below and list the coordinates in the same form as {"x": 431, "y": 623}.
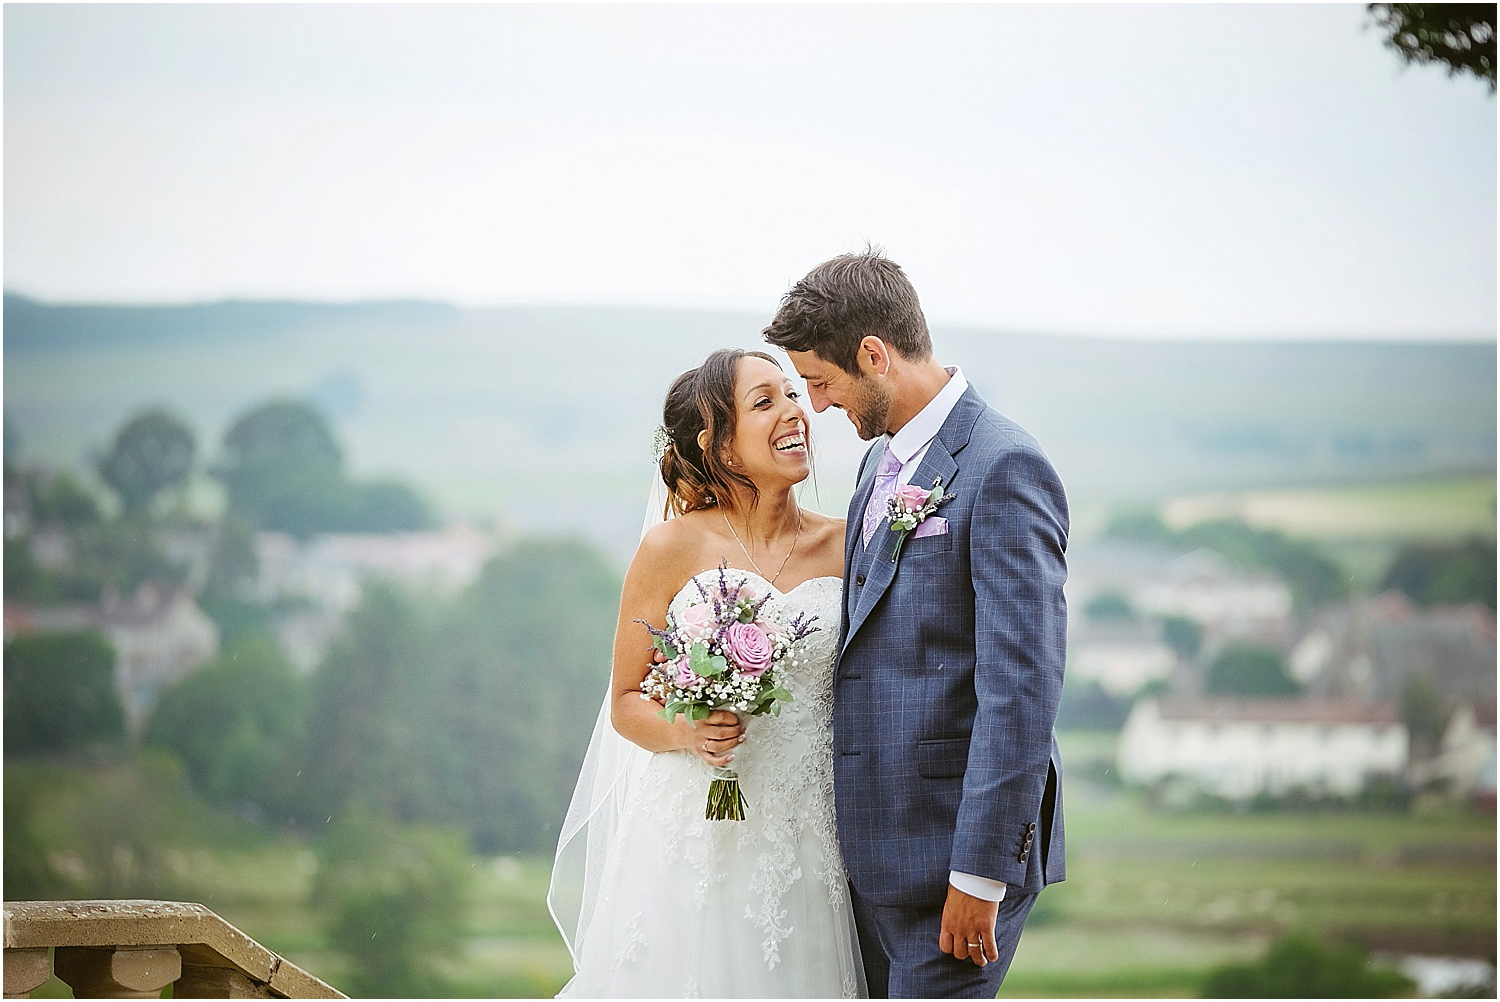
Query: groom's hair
{"x": 845, "y": 300}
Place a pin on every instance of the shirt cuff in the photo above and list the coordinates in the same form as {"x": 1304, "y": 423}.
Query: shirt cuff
{"x": 980, "y": 887}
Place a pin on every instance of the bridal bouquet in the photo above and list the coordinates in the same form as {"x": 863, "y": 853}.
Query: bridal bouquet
{"x": 724, "y": 651}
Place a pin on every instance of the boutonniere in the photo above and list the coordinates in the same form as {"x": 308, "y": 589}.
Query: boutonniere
{"x": 909, "y": 507}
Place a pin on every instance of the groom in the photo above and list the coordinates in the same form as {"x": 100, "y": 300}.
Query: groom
{"x": 946, "y": 771}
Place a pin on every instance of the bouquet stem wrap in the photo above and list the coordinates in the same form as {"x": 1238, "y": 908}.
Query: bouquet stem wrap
{"x": 725, "y": 801}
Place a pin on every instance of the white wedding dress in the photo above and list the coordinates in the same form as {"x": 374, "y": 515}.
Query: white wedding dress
{"x": 689, "y": 908}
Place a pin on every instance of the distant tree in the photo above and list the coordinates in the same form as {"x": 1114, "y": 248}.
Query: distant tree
{"x": 1312, "y": 577}
{"x": 60, "y": 693}
{"x": 1109, "y": 605}
{"x": 234, "y": 722}
{"x": 60, "y": 501}
{"x": 395, "y": 900}
{"x": 152, "y": 452}
{"x": 1425, "y": 711}
{"x": 1433, "y": 574}
{"x": 12, "y": 453}
{"x": 123, "y": 553}
{"x": 283, "y": 469}
{"x": 1248, "y": 670}
{"x": 1460, "y": 36}
{"x": 525, "y": 655}
{"x": 1184, "y": 636}
{"x": 1085, "y": 705}
{"x": 384, "y": 506}
{"x": 376, "y": 742}
{"x": 1300, "y": 967}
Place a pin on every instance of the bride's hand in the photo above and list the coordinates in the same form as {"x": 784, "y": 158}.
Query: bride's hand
{"x": 714, "y": 738}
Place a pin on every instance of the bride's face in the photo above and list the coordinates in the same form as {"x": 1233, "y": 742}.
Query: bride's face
{"x": 770, "y": 435}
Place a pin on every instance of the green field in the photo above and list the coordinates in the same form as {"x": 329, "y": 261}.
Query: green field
{"x": 1428, "y": 509}
{"x": 1152, "y": 901}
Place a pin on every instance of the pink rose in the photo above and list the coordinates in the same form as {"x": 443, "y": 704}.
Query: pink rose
{"x": 773, "y": 630}
{"x": 686, "y": 677}
{"x": 749, "y": 647}
{"x": 697, "y": 622}
{"x": 912, "y": 497}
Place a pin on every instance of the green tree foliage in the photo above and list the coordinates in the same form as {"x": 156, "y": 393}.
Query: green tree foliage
{"x": 1313, "y": 578}
{"x": 1425, "y": 711}
{"x": 396, "y": 900}
{"x": 479, "y": 717}
{"x": 527, "y": 658}
{"x": 1249, "y": 670}
{"x": 1300, "y": 967}
{"x": 1460, "y": 36}
{"x": 1085, "y": 705}
{"x": 284, "y": 470}
{"x": 151, "y": 453}
{"x": 60, "y": 694}
{"x": 59, "y": 501}
{"x": 1109, "y": 606}
{"x": 123, "y": 553}
{"x": 234, "y": 722}
{"x": 1433, "y": 574}
{"x": 372, "y": 740}
{"x": 382, "y": 506}
{"x": 1184, "y": 636}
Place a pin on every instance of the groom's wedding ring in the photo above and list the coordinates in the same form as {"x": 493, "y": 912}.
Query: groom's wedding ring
{"x": 975, "y": 946}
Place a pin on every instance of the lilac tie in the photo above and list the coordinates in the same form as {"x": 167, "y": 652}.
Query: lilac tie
{"x": 885, "y": 486}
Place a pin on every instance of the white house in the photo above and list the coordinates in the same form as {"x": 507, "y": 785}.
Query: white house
{"x": 1239, "y": 748}
{"x": 158, "y": 636}
{"x": 1206, "y": 588}
{"x": 1466, "y": 758}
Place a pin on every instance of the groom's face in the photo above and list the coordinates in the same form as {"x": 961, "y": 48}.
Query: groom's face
{"x": 864, "y": 398}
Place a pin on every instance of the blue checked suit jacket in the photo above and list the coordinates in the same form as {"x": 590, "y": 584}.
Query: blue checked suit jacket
{"x": 949, "y": 673}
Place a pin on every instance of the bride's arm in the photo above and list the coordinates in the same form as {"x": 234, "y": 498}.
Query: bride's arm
{"x": 653, "y": 580}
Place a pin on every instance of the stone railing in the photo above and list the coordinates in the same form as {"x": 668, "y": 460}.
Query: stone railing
{"x": 134, "y": 949}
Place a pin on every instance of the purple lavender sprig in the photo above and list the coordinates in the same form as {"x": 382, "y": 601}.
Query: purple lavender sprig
{"x": 802, "y": 627}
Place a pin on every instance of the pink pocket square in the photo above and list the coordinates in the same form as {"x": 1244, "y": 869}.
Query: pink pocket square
{"x": 932, "y": 525}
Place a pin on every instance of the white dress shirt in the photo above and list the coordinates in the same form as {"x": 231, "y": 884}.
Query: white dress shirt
{"x": 909, "y": 445}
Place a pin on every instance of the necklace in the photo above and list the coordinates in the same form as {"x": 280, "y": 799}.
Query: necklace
{"x": 769, "y": 580}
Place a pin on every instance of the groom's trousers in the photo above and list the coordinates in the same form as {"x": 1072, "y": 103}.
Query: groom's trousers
{"x": 902, "y": 959}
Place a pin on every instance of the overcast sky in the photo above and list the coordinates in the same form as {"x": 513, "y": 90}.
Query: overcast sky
{"x": 1150, "y": 170}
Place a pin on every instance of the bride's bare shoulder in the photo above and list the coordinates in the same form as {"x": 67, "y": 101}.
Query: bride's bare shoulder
{"x": 673, "y": 549}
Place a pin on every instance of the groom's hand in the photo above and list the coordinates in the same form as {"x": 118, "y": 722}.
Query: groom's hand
{"x": 969, "y": 920}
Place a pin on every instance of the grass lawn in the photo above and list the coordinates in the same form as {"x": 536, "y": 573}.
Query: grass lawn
{"x": 1446, "y": 509}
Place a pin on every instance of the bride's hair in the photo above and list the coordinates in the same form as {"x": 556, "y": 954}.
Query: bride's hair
{"x": 703, "y": 398}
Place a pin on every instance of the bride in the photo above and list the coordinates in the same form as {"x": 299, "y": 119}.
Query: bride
{"x": 653, "y": 900}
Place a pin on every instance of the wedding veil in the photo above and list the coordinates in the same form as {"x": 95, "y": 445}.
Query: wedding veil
{"x": 611, "y": 767}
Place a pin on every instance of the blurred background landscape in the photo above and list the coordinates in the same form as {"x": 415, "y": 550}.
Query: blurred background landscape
{"x": 312, "y": 559}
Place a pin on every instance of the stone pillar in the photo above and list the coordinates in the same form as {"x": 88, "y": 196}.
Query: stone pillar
{"x": 103, "y": 972}
{"x": 25, "y": 971}
{"x": 199, "y": 982}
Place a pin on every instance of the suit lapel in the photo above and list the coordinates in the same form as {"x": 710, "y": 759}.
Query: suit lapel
{"x": 939, "y": 462}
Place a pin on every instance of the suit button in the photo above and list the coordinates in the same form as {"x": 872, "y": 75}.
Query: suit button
{"x": 859, "y": 579}
{"x": 1022, "y": 858}
{"x": 1028, "y": 843}
{"x": 1031, "y": 827}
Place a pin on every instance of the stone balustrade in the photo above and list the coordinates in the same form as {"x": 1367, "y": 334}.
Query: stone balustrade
{"x": 134, "y": 949}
